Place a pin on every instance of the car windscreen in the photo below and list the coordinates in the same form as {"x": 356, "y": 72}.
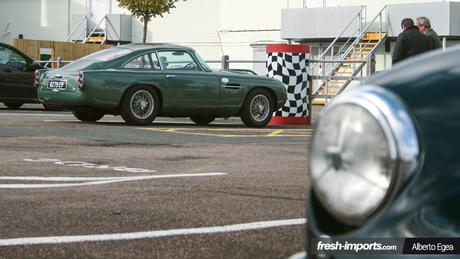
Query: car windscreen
{"x": 96, "y": 58}
{"x": 202, "y": 62}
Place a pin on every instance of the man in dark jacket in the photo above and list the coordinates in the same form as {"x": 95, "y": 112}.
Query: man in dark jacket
{"x": 424, "y": 25}
{"x": 410, "y": 42}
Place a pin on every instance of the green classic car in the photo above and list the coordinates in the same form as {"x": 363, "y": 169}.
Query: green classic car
{"x": 143, "y": 81}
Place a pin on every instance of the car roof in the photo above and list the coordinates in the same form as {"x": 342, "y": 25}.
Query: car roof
{"x": 152, "y": 46}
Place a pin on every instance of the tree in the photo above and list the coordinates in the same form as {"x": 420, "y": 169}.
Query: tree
{"x": 145, "y": 10}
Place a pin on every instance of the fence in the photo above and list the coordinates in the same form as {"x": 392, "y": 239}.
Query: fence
{"x": 63, "y": 50}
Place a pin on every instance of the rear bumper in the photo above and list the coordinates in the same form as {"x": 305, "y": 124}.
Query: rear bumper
{"x": 62, "y": 98}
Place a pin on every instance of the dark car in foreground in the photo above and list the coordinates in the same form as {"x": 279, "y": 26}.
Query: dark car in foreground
{"x": 143, "y": 81}
{"x": 16, "y": 77}
{"x": 385, "y": 158}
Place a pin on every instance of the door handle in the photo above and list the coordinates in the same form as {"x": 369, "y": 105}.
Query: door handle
{"x": 170, "y": 76}
{"x": 232, "y": 86}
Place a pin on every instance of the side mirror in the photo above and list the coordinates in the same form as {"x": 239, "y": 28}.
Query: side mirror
{"x": 30, "y": 66}
{"x": 26, "y": 66}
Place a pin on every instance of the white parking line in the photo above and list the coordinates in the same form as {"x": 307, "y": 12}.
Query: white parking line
{"x": 36, "y": 114}
{"x": 89, "y": 165}
{"x": 88, "y": 180}
{"x": 151, "y": 234}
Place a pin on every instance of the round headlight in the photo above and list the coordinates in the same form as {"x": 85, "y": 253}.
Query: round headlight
{"x": 357, "y": 153}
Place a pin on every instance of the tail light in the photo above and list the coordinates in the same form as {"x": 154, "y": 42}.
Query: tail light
{"x": 80, "y": 79}
{"x": 36, "y": 77}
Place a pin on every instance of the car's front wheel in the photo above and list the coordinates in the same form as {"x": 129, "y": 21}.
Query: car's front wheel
{"x": 140, "y": 106}
{"x": 88, "y": 116}
{"x": 258, "y": 108}
{"x": 13, "y": 105}
{"x": 202, "y": 120}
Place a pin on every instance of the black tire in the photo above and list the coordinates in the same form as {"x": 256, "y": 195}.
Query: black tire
{"x": 254, "y": 121}
{"x": 88, "y": 116}
{"x": 49, "y": 107}
{"x": 13, "y": 106}
{"x": 202, "y": 120}
{"x": 138, "y": 117}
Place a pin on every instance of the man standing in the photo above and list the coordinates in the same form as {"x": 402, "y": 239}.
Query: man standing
{"x": 410, "y": 42}
{"x": 424, "y": 26}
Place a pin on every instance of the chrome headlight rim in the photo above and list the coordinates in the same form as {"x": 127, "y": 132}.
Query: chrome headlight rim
{"x": 403, "y": 139}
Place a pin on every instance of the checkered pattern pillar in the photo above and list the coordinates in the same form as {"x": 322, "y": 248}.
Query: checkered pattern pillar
{"x": 288, "y": 64}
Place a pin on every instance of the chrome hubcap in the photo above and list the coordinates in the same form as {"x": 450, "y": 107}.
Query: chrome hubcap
{"x": 260, "y": 107}
{"x": 142, "y": 104}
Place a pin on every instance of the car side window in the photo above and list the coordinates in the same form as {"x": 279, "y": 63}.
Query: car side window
{"x": 177, "y": 60}
{"x": 143, "y": 62}
{"x": 9, "y": 57}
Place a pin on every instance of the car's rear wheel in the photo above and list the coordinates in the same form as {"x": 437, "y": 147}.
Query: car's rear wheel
{"x": 140, "y": 106}
{"x": 258, "y": 108}
{"x": 202, "y": 120}
{"x": 88, "y": 116}
{"x": 13, "y": 105}
{"x": 50, "y": 107}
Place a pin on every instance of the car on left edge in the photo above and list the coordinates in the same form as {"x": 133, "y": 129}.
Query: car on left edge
{"x": 17, "y": 76}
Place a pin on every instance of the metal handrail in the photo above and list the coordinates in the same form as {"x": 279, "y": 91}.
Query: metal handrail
{"x": 94, "y": 30}
{"x": 113, "y": 28}
{"x": 359, "y": 14}
{"x": 6, "y": 32}
{"x": 76, "y": 28}
{"x": 356, "y": 41}
{"x": 340, "y": 50}
{"x": 368, "y": 26}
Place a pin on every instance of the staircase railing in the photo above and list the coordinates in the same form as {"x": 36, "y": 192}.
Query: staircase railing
{"x": 105, "y": 31}
{"x": 6, "y": 32}
{"x": 327, "y": 76}
{"x": 86, "y": 36}
{"x": 360, "y": 15}
{"x": 84, "y": 19}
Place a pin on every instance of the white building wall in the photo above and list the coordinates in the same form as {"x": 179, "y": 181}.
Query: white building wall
{"x": 35, "y": 19}
{"x": 194, "y": 23}
{"x": 199, "y": 23}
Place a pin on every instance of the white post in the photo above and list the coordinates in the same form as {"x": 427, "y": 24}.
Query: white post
{"x": 444, "y": 43}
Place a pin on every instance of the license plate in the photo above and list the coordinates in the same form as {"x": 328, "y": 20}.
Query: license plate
{"x": 56, "y": 85}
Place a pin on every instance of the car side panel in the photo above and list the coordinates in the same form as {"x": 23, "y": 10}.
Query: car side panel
{"x": 235, "y": 91}
{"x": 16, "y": 80}
{"x": 102, "y": 90}
{"x": 107, "y": 88}
{"x": 193, "y": 92}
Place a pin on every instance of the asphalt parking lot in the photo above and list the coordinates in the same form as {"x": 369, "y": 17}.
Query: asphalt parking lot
{"x": 170, "y": 190}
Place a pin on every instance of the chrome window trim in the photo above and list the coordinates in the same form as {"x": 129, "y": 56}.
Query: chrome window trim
{"x": 192, "y": 55}
{"x": 142, "y": 69}
{"x": 395, "y": 120}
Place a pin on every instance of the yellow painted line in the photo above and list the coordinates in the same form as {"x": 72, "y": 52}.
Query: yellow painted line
{"x": 226, "y": 129}
{"x": 199, "y": 169}
{"x": 181, "y": 132}
{"x": 276, "y": 132}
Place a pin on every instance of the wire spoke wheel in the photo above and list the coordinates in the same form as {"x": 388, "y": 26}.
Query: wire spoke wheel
{"x": 260, "y": 108}
{"x": 142, "y": 104}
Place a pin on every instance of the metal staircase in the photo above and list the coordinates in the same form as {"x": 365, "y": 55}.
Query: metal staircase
{"x": 96, "y": 35}
{"x": 343, "y": 63}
